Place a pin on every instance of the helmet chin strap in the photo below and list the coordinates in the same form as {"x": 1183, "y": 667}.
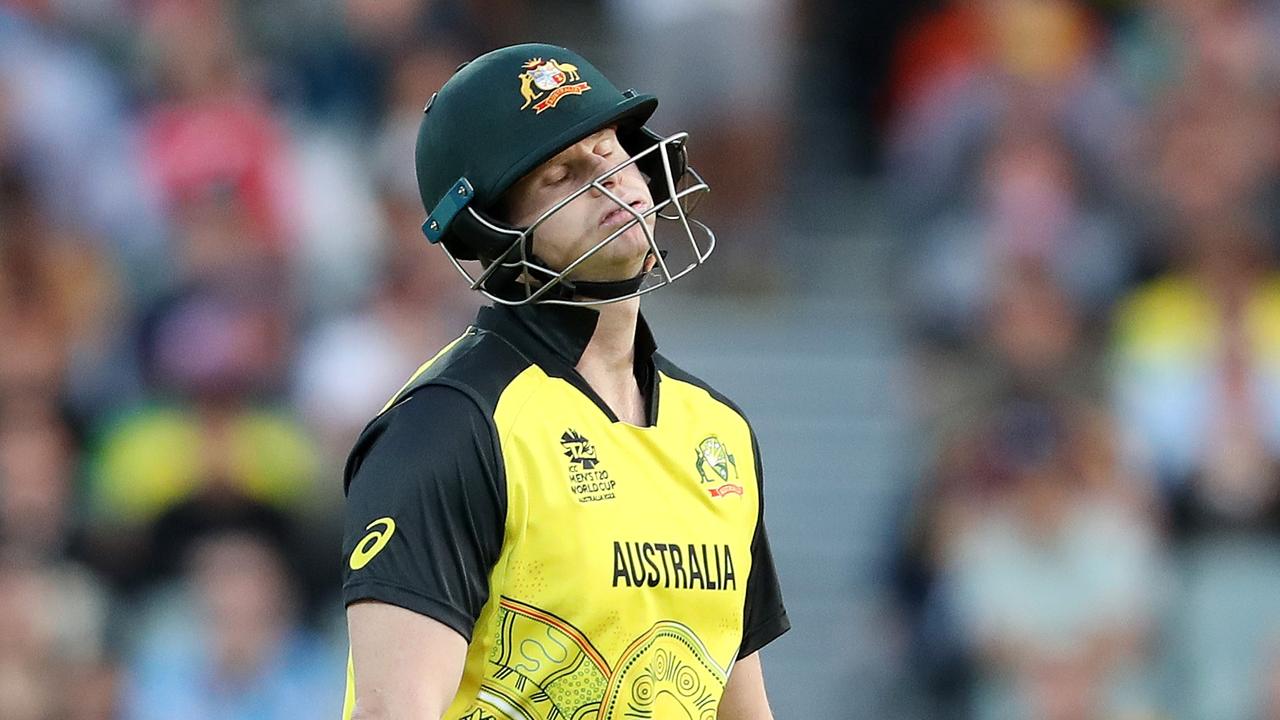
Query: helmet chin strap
{"x": 606, "y": 289}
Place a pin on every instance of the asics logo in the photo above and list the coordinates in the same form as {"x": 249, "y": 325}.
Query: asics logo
{"x": 371, "y": 544}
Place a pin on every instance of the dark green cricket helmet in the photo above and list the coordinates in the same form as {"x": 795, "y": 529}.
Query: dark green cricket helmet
{"x": 505, "y": 113}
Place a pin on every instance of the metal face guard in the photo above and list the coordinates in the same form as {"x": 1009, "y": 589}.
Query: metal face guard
{"x": 676, "y": 208}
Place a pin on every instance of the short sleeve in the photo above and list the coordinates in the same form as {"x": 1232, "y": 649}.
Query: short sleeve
{"x": 426, "y": 508}
{"x": 764, "y": 617}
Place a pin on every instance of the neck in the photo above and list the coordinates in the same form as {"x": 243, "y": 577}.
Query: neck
{"x": 613, "y": 345}
{"x": 608, "y": 362}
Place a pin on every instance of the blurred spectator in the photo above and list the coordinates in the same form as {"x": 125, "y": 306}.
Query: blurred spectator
{"x": 1197, "y": 386}
{"x": 353, "y": 361}
{"x": 241, "y": 653}
{"x": 334, "y": 60}
{"x": 38, "y": 462}
{"x": 1031, "y": 342}
{"x": 1166, "y": 44}
{"x": 1207, "y": 163}
{"x": 1030, "y": 212}
{"x": 1030, "y": 569}
{"x": 52, "y": 629}
{"x": 359, "y": 206}
{"x": 51, "y": 274}
{"x": 1197, "y": 378}
{"x": 63, "y": 115}
{"x": 216, "y": 355}
{"x": 1048, "y": 573}
{"x": 214, "y": 151}
{"x": 1056, "y": 584}
{"x": 975, "y": 66}
{"x": 59, "y": 299}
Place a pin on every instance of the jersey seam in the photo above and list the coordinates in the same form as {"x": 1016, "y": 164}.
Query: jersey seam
{"x": 502, "y": 460}
{"x": 531, "y": 363}
{"x": 520, "y": 410}
{"x": 504, "y": 568}
{"x": 476, "y": 399}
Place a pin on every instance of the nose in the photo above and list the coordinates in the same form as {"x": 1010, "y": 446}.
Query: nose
{"x": 599, "y": 165}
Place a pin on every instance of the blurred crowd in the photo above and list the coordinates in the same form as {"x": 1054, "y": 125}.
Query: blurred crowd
{"x": 1086, "y": 198}
{"x": 211, "y": 276}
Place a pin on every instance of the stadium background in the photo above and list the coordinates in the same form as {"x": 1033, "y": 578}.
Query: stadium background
{"x": 997, "y": 283}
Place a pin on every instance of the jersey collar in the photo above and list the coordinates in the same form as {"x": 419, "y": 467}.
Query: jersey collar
{"x": 562, "y": 330}
{"x": 554, "y": 337}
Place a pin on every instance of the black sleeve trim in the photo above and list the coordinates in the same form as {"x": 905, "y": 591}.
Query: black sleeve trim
{"x": 763, "y": 633}
{"x": 409, "y": 599}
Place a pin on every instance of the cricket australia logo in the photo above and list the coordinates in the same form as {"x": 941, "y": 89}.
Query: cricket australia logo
{"x": 588, "y": 481}
{"x": 716, "y": 466}
{"x": 552, "y": 79}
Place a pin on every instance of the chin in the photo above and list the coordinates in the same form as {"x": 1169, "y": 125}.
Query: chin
{"x": 631, "y": 242}
{"x": 607, "y": 266}
{"x": 622, "y": 258}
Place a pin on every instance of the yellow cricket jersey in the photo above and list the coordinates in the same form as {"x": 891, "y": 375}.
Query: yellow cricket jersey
{"x": 598, "y": 569}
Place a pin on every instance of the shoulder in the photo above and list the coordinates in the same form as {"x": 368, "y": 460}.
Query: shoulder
{"x": 674, "y": 372}
{"x": 415, "y": 429}
{"x": 479, "y": 364}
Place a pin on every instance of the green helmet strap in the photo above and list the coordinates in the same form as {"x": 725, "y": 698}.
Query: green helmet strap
{"x": 458, "y": 197}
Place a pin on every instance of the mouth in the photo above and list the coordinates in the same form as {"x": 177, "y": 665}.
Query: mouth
{"x": 617, "y": 216}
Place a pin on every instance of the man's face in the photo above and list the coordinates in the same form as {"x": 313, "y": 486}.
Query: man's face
{"x": 590, "y": 217}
